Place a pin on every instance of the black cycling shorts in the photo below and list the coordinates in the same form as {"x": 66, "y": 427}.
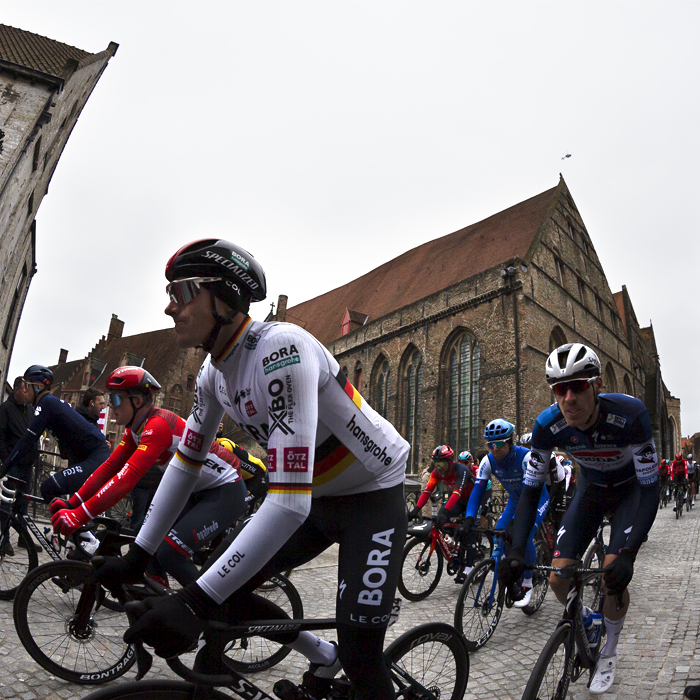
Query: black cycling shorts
{"x": 371, "y": 531}
{"x": 589, "y": 507}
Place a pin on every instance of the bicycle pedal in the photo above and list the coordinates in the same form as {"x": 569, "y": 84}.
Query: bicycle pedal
{"x": 286, "y": 690}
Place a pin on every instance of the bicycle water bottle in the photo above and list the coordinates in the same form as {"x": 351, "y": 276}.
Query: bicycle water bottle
{"x": 592, "y": 624}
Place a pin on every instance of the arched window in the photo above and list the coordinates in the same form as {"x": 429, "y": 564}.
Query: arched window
{"x": 463, "y": 361}
{"x": 628, "y": 385}
{"x": 382, "y": 386}
{"x": 413, "y": 388}
{"x": 556, "y": 338}
{"x": 357, "y": 382}
{"x": 610, "y": 381}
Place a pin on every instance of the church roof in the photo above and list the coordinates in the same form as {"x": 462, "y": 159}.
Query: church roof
{"x": 38, "y": 53}
{"x": 427, "y": 269}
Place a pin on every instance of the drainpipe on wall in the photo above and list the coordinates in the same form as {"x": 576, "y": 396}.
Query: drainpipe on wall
{"x": 509, "y": 278}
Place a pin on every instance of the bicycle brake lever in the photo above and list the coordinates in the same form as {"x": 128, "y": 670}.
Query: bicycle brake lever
{"x": 144, "y": 660}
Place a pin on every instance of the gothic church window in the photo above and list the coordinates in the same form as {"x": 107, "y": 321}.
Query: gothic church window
{"x": 556, "y": 338}
{"x": 357, "y": 382}
{"x": 463, "y": 369}
{"x": 382, "y": 386}
{"x": 413, "y": 389}
{"x": 609, "y": 380}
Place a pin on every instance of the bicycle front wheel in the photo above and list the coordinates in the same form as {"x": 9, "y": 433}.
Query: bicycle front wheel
{"x": 80, "y": 646}
{"x": 540, "y": 579}
{"x": 17, "y": 558}
{"x": 551, "y": 675}
{"x": 592, "y": 588}
{"x": 154, "y": 690}
{"x": 253, "y": 654}
{"x": 435, "y": 657}
{"x": 479, "y": 606}
{"x": 420, "y": 570}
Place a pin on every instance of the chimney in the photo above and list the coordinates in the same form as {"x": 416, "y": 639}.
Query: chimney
{"x": 281, "y": 308}
{"x": 62, "y": 356}
{"x": 116, "y": 328}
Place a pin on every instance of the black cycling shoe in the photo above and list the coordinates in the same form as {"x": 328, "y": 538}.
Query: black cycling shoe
{"x": 692, "y": 692}
{"x": 7, "y": 549}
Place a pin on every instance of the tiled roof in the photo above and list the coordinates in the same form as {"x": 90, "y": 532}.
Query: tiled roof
{"x": 37, "y": 52}
{"x": 427, "y": 269}
{"x": 64, "y": 372}
{"x": 158, "y": 347}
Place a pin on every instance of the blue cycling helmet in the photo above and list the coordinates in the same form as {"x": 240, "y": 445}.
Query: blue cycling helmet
{"x": 498, "y": 429}
{"x": 38, "y": 374}
{"x": 464, "y": 456}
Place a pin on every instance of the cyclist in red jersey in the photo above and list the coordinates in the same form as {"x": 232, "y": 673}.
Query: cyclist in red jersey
{"x": 151, "y": 438}
{"x": 679, "y": 471}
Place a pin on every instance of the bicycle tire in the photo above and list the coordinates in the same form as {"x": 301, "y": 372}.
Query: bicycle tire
{"x": 540, "y": 579}
{"x": 476, "y": 615}
{"x": 154, "y": 690}
{"x": 551, "y": 674}
{"x": 269, "y": 584}
{"x": 418, "y": 583}
{"x": 253, "y": 654}
{"x": 13, "y": 569}
{"x": 44, "y": 616}
{"x": 435, "y": 656}
{"x": 594, "y": 558}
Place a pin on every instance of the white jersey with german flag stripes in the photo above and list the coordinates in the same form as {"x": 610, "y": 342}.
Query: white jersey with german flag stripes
{"x": 322, "y": 438}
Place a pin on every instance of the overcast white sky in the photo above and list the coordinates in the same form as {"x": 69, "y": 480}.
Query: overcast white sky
{"x": 329, "y": 137}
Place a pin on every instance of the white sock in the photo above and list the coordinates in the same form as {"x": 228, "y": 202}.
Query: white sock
{"x": 612, "y": 630}
{"x": 315, "y": 649}
{"x": 585, "y": 610}
{"x": 527, "y": 581}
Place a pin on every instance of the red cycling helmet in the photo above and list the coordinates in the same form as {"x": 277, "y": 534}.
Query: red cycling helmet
{"x": 679, "y": 456}
{"x": 442, "y": 452}
{"x": 135, "y": 381}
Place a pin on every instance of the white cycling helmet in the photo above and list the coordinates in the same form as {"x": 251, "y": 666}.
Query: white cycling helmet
{"x": 526, "y": 439}
{"x": 572, "y": 361}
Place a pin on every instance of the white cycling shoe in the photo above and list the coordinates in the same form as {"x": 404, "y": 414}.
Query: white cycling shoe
{"x": 604, "y": 675}
{"x": 525, "y": 600}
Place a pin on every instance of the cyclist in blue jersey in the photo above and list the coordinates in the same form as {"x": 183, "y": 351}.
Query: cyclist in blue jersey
{"x": 507, "y": 463}
{"x": 79, "y": 442}
{"x": 610, "y": 436}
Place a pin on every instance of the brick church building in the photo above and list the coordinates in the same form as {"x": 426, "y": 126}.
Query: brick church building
{"x": 455, "y": 332}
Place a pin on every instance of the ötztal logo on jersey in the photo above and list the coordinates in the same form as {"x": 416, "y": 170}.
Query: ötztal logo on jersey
{"x": 272, "y": 459}
{"x": 194, "y": 440}
{"x": 296, "y": 459}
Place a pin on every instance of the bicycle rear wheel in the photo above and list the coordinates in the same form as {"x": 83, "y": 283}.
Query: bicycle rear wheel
{"x": 479, "y": 606}
{"x": 86, "y": 649}
{"x": 420, "y": 571}
{"x": 253, "y": 654}
{"x": 154, "y": 690}
{"x": 17, "y": 558}
{"x": 551, "y": 674}
{"x": 433, "y": 655}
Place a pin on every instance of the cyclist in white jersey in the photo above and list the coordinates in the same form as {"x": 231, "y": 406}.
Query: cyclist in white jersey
{"x": 336, "y": 470}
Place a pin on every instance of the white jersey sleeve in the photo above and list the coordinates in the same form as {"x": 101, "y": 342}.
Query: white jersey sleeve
{"x": 181, "y": 475}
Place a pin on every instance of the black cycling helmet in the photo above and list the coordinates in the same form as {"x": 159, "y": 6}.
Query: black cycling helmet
{"x": 38, "y": 374}
{"x": 241, "y": 278}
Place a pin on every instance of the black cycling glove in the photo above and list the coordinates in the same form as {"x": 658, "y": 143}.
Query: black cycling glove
{"x": 618, "y": 573}
{"x": 465, "y": 527}
{"x": 511, "y": 566}
{"x": 173, "y": 623}
{"x": 443, "y": 517}
{"x": 413, "y": 513}
{"x": 112, "y": 572}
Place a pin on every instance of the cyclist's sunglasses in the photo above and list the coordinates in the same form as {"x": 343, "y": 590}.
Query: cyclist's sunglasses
{"x": 578, "y": 386}
{"x": 496, "y": 444}
{"x": 115, "y": 400}
{"x": 182, "y": 292}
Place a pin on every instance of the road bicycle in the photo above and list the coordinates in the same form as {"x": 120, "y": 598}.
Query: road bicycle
{"x": 665, "y": 497}
{"x": 482, "y": 597}
{"x": 569, "y": 652}
{"x": 679, "y": 497}
{"x": 19, "y": 554}
{"x": 428, "y": 662}
{"x": 426, "y": 551}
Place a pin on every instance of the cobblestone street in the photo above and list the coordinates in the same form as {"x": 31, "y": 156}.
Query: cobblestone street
{"x": 657, "y": 654}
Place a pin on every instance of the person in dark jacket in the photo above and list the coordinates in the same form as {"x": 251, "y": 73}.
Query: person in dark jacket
{"x": 15, "y": 416}
{"x": 93, "y": 404}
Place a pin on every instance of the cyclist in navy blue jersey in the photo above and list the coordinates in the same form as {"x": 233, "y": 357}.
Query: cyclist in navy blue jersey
{"x": 610, "y": 436}
{"x": 79, "y": 442}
